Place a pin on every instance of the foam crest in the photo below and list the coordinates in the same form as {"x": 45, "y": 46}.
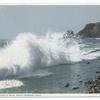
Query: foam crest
{"x": 28, "y": 52}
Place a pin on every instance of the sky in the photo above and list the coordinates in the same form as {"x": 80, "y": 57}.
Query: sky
{"x": 40, "y": 19}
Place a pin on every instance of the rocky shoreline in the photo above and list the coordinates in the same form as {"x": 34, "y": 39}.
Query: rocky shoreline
{"x": 90, "y": 30}
{"x": 93, "y": 85}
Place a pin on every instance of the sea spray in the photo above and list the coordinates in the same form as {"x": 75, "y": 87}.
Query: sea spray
{"x": 28, "y": 52}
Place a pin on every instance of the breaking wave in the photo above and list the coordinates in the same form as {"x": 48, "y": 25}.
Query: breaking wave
{"x": 28, "y": 52}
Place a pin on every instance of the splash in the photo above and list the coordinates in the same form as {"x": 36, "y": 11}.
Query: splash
{"x": 29, "y": 52}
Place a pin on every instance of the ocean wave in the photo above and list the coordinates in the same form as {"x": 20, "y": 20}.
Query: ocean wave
{"x": 28, "y": 52}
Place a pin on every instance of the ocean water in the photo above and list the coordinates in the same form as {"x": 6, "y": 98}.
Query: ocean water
{"x": 45, "y": 64}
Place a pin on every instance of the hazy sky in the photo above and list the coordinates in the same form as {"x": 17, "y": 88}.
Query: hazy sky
{"x": 40, "y": 19}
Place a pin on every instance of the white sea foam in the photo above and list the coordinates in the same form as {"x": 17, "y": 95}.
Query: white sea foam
{"x": 28, "y": 52}
{"x": 10, "y": 83}
{"x": 90, "y": 54}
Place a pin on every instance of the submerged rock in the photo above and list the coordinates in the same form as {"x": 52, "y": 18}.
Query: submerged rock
{"x": 91, "y": 30}
{"x": 97, "y": 71}
{"x": 87, "y": 62}
{"x": 74, "y": 88}
{"x": 67, "y": 85}
{"x": 80, "y": 81}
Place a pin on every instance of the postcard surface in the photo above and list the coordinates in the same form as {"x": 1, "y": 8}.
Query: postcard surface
{"x": 50, "y": 49}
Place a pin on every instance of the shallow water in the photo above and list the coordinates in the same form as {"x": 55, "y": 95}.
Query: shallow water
{"x": 55, "y": 82}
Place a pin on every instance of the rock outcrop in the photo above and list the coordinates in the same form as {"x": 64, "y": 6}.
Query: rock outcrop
{"x": 91, "y": 30}
{"x": 93, "y": 85}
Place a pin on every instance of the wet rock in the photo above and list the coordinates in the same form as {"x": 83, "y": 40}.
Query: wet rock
{"x": 97, "y": 71}
{"x": 74, "y": 88}
{"x": 80, "y": 81}
{"x": 98, "y": 78}
{"x": 93, "y": 85}
{"x": 87, "y": 62}
{"x": 67, "y": 85}
{"x": 90, "y": 30}
{"x": 89, "y": 82}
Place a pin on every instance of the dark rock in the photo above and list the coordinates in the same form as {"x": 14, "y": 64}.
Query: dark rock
{"x": 68, "y": 34}
{"x": 91, "y": 30}
{"x": 89, "y": 82}
{"x": 98, "y": 77}
{"x": 93, "y": 85}
{"x": 97, "y": 82}
{"x": 80, "y": 81}
{"x": 67, "y": 85}
{"x": 99, "y": 87}
{"x": 87, "y": 62}
{"x": 74, "y": 88}
{"x": 97, "y": 71}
